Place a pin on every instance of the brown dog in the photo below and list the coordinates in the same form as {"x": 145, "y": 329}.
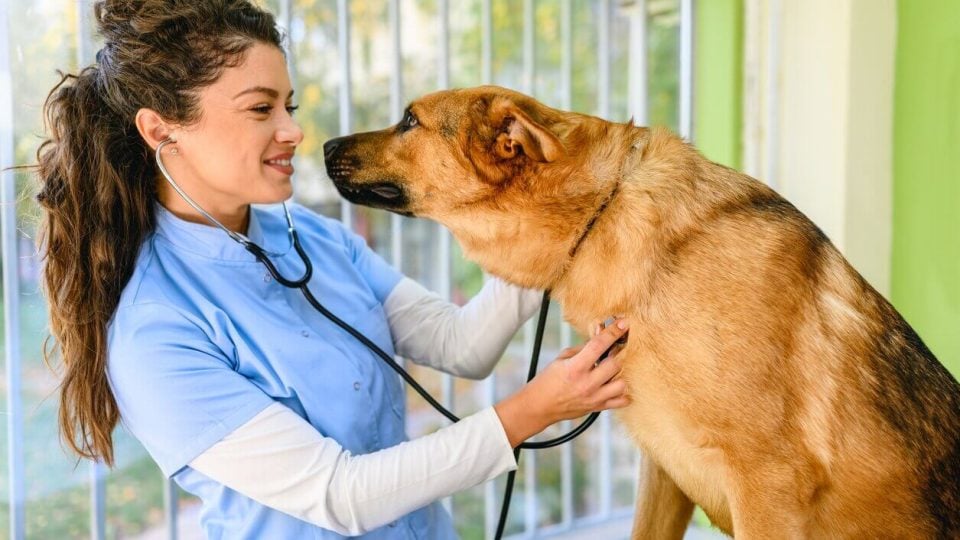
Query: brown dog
{"x": 770, "y": 384}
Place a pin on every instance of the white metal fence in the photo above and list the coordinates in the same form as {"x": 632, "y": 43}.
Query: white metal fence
{"x": 596, "y": 56}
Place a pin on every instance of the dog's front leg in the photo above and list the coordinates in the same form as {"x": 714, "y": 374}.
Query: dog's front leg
{"x": 764, "y": 503}
{"x": 663, "y": 511}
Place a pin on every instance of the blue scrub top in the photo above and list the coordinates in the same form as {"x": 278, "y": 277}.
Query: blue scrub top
{"x": 204, "y": 339}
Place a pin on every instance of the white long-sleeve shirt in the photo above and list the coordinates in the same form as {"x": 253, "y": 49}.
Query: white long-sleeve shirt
{"x": 281, "y": 461}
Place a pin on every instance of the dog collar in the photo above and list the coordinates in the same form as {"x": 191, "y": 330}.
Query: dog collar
{"x": 603, "y": 206}
{"x": 593, "y": 220}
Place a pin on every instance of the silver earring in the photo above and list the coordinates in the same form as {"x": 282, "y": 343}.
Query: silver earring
{"x": 174, "y": 150}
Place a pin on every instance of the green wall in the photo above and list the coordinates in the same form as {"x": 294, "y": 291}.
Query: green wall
{"x": 718, "y": 80}
{"x": 926, "y": 161}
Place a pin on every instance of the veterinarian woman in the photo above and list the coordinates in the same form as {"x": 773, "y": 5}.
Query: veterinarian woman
{"x": 284, "y": 425}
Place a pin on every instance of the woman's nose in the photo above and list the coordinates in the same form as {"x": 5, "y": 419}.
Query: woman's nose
{"x": 290, "y": 132}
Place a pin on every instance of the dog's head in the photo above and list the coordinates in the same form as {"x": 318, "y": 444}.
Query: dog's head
{"x": 451, "y": 149}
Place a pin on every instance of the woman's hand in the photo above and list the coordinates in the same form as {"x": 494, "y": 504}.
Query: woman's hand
{"x": 571, "y": 386}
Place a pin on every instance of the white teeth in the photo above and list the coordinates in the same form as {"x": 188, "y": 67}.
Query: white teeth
{"x": 281, "y": 162}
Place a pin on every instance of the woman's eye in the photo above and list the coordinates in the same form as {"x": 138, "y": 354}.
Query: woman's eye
{"x": 265, "y": 109}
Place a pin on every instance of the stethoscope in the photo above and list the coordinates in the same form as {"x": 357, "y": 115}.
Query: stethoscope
{"x": 301, "y": 283}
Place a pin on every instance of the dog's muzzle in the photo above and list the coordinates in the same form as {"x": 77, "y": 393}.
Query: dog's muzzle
{"x": 343, "y": 167}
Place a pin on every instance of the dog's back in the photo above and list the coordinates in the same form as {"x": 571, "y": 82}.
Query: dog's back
{"x": 920, "y": 401}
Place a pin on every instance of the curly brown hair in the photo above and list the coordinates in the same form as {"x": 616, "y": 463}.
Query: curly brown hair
{"x": 98, "y": 181}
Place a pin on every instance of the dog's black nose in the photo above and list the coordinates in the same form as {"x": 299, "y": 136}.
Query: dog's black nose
{"x": 330, "y": 147}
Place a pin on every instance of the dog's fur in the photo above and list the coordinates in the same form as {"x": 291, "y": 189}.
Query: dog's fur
{"x": 770, "y": 384}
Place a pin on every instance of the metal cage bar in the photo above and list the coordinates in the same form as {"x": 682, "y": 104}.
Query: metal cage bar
{"x": 346, "y": 89}
{"x": 772, "y": 92}
{"x": 98, "y": 500}
{"x": 396, "y": 110}
{"x": 529, "y": 48}
{"x": 638, "y": 62}
{"x": 16, "y": 486}
{"x": 285, "y": 17}
{"x": 686, "y": 70}
{"x": 171, "y": 499}
{"x": 566, "y": 55}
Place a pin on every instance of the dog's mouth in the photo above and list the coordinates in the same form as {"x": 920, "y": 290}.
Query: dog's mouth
{"x": 387, "y": 195}
{"x": 342, "y": 167}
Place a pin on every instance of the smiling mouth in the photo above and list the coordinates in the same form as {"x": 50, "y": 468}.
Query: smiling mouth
{"x": 283, "y": 165}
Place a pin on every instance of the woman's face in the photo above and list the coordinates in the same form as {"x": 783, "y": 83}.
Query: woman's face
{"x": 240, "y": 150}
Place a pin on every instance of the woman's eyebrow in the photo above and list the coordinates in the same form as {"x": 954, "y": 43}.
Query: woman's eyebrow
{"x": 263, "y": 90}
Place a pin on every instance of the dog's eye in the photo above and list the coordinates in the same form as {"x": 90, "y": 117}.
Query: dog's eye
{"x": 409, "y": 121}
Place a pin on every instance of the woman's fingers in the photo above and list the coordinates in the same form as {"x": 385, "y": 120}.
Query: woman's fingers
{"x": 591, "y": 352}
{"x": 608, "y": 368}
{"x": 611, "y": 390}
{"x": 569, "y": 352}
{"x": 616, "y": 403}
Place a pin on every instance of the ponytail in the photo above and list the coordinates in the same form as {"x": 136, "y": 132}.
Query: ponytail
{"x": 97, "y": 193}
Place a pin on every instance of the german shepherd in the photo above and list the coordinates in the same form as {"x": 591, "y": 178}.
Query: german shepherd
{"x": 770, "y": 384}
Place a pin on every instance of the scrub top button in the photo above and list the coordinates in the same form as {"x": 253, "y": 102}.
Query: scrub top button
{"x": 305, "y": 333}
{"x": 267, "y": 278}
{"x": 356, "y": 385}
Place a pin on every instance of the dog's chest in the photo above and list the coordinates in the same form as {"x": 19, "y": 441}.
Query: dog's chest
{"x": 666, "y": 387}
{"x": 656, "y": 422}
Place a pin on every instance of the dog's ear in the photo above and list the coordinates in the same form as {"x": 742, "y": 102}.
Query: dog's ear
{"x": 519, "y": 132}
